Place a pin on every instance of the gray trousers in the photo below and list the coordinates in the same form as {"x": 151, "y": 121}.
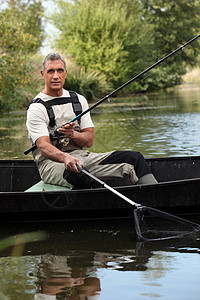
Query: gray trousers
{"x": 52, "y": 172}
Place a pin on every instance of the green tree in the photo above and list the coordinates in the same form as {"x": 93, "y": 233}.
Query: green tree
{"x": 21, "y": 35}
{"x": 120, "y": 38}
{"x": 103, "y": 36}
{"x": 174, "y": 22}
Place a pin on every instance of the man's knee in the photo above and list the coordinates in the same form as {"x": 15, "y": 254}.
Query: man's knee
{"x": 134, "y": 158}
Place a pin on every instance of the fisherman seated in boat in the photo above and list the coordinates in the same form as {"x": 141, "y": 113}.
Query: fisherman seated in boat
{"x": 61, "y": 147}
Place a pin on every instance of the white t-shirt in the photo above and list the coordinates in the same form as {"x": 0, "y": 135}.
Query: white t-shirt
{"x": 38, "y": 120}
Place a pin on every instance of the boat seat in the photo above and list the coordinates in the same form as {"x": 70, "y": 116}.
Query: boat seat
{"x": 42, "y": 187}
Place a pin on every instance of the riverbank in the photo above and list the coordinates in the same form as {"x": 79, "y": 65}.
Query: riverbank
{"x": 192, "y": 75}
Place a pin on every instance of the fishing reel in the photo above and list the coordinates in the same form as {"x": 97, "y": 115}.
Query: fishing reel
{"x": 59, "y": 139}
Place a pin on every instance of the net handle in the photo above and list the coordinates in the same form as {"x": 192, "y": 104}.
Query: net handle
{"x": 103, "y": 184}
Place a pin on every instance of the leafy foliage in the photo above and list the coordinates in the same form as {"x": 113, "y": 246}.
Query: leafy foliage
{"x": 90, "y": 84}
{"x": 174, "y": 23}
{"x": 121, "y": 38}
{"x": 103, "y": 36}
{"x": 21, "y": 35}
{"x": 111, "y": 41}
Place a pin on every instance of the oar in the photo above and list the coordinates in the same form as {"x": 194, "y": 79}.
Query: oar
{"x": 122, "y": 86}
{"x": 153, "y": 230}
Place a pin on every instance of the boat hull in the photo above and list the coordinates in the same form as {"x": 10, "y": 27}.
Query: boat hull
{"x": 178, "y": 191}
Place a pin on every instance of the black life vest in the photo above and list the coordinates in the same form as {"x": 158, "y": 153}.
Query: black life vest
{"x": 77, "y": 108}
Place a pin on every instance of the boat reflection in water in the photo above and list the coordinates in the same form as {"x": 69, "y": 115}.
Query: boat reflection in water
{"x": 71, "y": 267}
{"x": 82, "y": 260}
{"x": 70, "y": 263}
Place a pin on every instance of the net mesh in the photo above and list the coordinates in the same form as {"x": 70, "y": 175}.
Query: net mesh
{"x": 154, "y": 225}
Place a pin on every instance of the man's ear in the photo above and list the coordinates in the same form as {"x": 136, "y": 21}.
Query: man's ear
{"x": 42, "y": 73}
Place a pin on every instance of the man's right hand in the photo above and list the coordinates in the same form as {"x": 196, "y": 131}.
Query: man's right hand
{"x": 51, "y": 152}
{"x": 71, "y": 163}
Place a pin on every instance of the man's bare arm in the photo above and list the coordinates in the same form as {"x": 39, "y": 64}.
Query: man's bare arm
{"x": 48, "y": 150}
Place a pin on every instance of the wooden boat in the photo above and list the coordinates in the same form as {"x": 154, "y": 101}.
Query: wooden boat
{"x": 24, "y": 197}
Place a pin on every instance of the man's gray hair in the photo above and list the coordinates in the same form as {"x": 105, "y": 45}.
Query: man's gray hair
{"x": 53, "y": 56}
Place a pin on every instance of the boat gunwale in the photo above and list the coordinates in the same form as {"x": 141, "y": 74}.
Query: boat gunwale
{"x": 103, "y": 189}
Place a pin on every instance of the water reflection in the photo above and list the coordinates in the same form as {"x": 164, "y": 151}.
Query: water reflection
{"x": 68, "y": 277}
{"x": 98, "y": 260}
{"x": 13, "y": 136}
{"x": 166, "y": 124}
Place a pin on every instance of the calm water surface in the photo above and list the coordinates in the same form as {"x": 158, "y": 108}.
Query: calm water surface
{"x": 101, "y": 260}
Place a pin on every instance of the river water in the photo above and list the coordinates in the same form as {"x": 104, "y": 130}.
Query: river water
{"x": 101, "y": 260}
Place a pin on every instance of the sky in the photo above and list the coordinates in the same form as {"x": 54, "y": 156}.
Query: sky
{"x": 50, "y": 30}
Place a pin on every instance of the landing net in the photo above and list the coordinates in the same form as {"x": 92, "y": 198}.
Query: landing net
{"x": 155, "y": 225}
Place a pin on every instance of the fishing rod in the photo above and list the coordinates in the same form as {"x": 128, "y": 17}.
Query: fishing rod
{"x": 122, "y": 86}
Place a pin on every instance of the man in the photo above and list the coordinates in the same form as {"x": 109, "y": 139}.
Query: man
{"x": 61, "y": 147}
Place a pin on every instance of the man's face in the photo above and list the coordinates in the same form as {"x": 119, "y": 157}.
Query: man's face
{"x": 54, "y": 75}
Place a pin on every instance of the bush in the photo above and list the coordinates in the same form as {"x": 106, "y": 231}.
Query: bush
{"x": 21, "y": 36}
{"x": 91, "y": 85}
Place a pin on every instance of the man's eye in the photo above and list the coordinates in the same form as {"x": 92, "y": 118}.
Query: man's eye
{"x": 50, "y": 71}
{"x": 60, "y": 70}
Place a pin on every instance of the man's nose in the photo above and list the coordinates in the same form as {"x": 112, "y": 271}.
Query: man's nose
{"x": 55, "y": 75}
